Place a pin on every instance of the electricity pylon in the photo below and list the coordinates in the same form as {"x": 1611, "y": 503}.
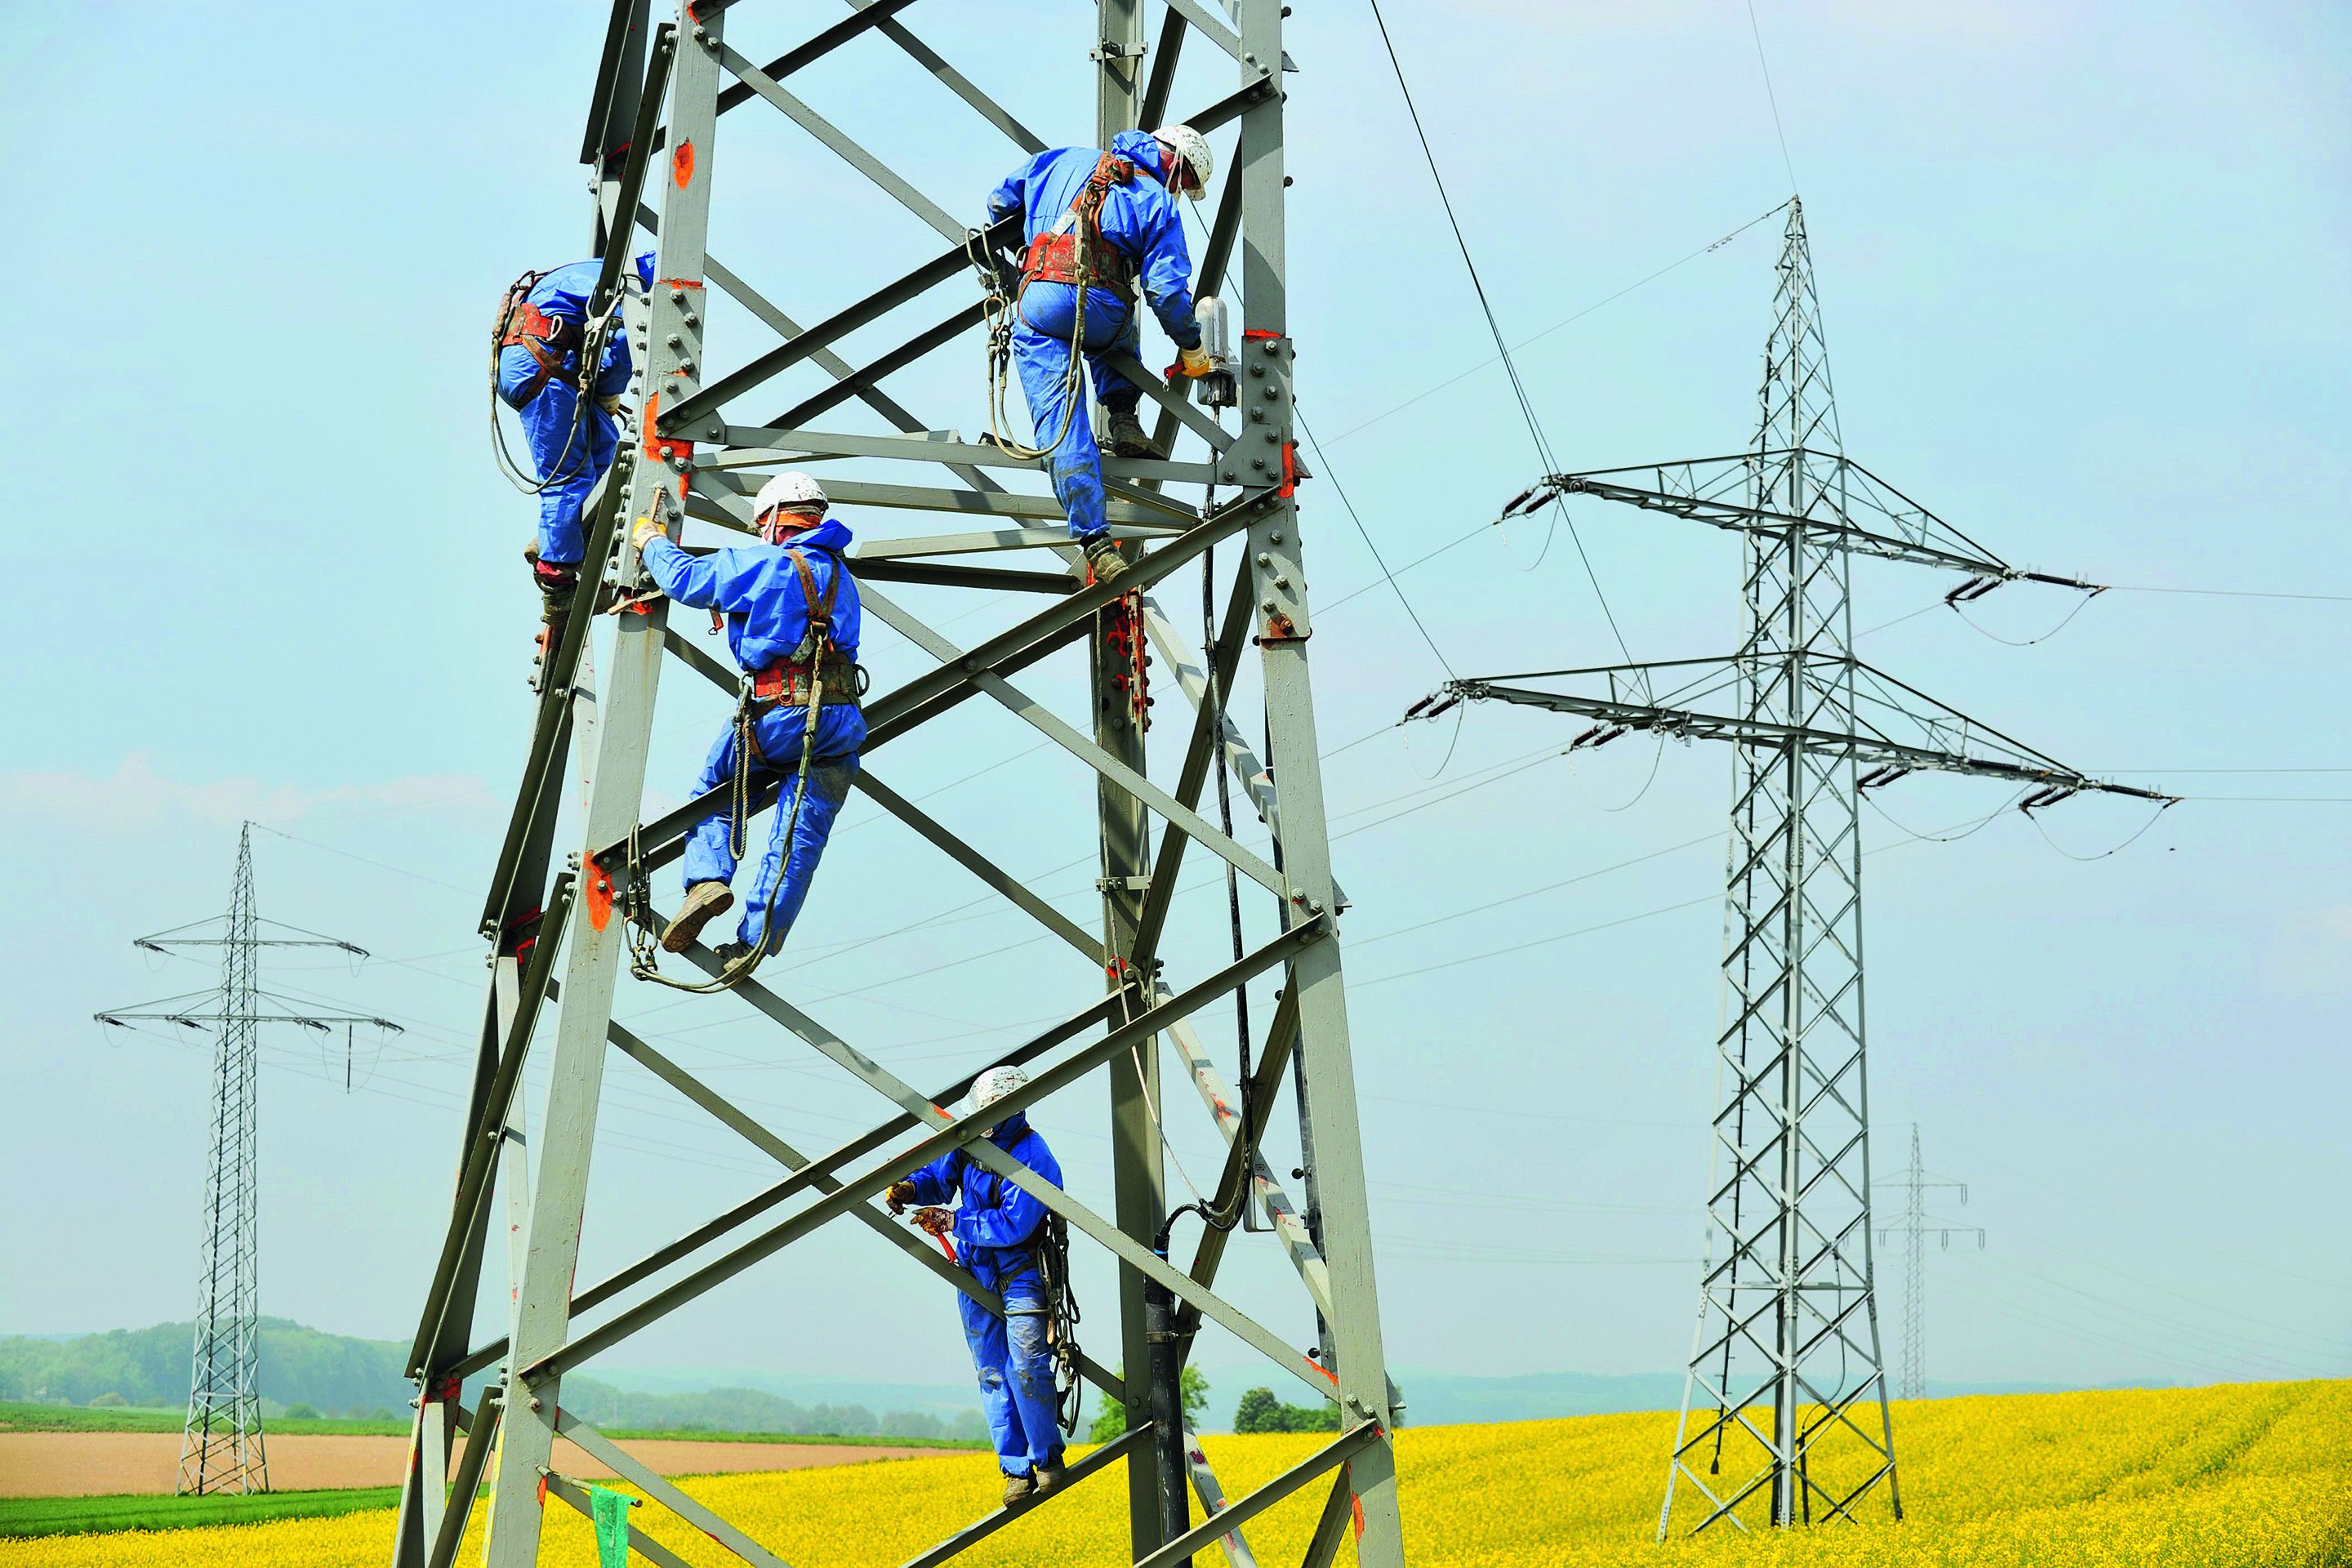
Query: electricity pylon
{"x": 221, "y": 1448}
{"x": 655, "y": 113}
{"x": 1786, "y": 1357}
{"x": 1911, "y": 1383}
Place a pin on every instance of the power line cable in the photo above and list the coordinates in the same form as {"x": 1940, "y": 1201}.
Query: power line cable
{"x": 1495, "y": 328}
{"x": 1332, "y": 479}
{"x": 1771, "y": 98}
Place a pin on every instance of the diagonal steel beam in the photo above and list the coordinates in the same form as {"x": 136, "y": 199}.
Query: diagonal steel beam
{"x": 850, "y": 152}
{"x": 617, "y": 1459}
{"x": 1329, "y": 1457}
{"x": 702, "y": 1236}
{"x": 685, "y": 420}
{"x": 980, "y": 866}
{"x": 990, "y": 110}
{"x": 1177, "y": 814}
{"x": 871, "y": 1183}
{"x": 989, "y": 1523}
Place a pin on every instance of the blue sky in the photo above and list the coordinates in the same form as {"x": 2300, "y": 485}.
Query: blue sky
{"x": 2084, "y": 271}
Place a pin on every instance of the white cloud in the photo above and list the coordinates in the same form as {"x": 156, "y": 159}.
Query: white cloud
{"x": 136, "y": 797}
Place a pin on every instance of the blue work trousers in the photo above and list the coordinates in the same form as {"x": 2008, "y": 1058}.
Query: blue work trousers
{"x": 709, "y": 857}
{"x": 1016, "y": 1374}
{"x": 1041, "y": 351}
{"x": 569, "y": 452}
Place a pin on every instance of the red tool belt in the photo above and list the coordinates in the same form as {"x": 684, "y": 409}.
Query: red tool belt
{"x": 792, "y": 683}
{"x": 549, "y": 339}
{"x": 1054, "y": 257}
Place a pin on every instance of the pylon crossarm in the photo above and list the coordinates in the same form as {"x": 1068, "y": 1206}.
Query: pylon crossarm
{"x": 1123, "y": 1037}
{"x": 617, "y": 1459}
{"x": 878, "y": 551}
{"x": 989, "y": 1523}
{"x": 1131, "y": 513}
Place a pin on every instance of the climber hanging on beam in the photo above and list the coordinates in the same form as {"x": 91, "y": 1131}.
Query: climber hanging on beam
{"x": 792, "y": 616}
{"x": 1099, "y": 225}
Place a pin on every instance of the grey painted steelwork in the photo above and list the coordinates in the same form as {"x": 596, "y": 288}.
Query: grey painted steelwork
{"x": 221, "y": 1444}
{"x": 695, "y": 460}
{"x": 1911, "y": 1381}
{"x": 1786, "y": 1357}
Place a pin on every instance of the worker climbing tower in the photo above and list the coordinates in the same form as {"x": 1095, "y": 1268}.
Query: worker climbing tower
{"x": 654, "y": 146}
{"x": 1784, "y": 1411}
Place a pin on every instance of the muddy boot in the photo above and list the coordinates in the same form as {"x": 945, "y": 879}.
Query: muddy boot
{"x": 1051, "y": 1479}
{"x": 1104, "y": 560}
{"x": 557, "y": 585}
{"x": 1124, "y": 435}
{"x": 734, "y": 954}
{"x": 705, "y": 902}
{"x": 1019, "y": 1489}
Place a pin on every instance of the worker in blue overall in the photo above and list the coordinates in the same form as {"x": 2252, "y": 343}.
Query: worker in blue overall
{"x": 792, "y": 618}
{"x": 570, "y": 418}
{"x": 997, "y": 1232}
{"x": 1108, "y": 221}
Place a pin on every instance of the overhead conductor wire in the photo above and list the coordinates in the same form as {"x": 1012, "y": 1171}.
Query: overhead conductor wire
{"x": 1502, "y": 348}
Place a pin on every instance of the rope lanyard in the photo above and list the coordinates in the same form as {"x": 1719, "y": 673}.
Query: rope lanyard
{"x": 1086, "y": 209}
{"x": 644, "y": 947}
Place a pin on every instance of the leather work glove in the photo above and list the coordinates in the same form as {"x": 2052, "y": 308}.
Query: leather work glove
{"x": 1191, "y": 363}
{"x": 898, "y": 1195}
{"x": 611, "y": 405}
{"x": 648, "y": 528}
{"x": 937, "y": 1221}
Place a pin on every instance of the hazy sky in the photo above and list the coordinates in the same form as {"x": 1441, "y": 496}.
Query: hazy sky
{"x": 2083, "y": 271}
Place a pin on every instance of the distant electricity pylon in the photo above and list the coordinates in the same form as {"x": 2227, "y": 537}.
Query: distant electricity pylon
{"x": 221, "y": 1449}
{"x": 1787, "y": 1353}
{"x": 1912, "y": 1384}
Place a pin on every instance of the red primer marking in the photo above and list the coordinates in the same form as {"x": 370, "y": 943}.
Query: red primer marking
{"x": 681, "y": 164}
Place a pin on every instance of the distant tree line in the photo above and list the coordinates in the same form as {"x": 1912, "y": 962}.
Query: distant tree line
{"x": 1259, "y": 1410}
{"x": 304, "y": 1372}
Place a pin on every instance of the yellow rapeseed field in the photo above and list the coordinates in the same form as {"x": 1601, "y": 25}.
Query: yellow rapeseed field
{"x": 2240, "y": 1475}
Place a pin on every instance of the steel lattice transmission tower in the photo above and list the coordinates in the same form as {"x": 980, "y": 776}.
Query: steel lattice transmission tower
{"x": 222, "y": 1447}
{"x": 1785, "y": 1400}
{"x": 655, "y": 115}
{"x": 1911, "y": 1383}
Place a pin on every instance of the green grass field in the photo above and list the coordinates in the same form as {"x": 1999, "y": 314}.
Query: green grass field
{"x": 67, "y": 1515}
{"x": 65, "y": 1418}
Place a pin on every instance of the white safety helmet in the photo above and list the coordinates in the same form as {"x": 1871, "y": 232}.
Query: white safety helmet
{"x": 1192, "y": 149}
{"x": 992, "y": 1086}
{"x": 793, "y": 492}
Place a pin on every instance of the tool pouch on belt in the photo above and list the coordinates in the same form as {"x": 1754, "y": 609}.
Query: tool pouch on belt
{"x": 1055, "y": 256}
{"x": 791, "y": 682}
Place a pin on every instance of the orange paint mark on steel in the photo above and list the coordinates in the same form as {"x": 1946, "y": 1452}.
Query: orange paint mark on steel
{"x": 681, "y": 164}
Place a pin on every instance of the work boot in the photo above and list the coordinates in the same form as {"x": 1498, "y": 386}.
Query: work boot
{"x": 1050, "y": 1479}
{"x": 1019, "y": 1489}
{"x": 1126, "y": 437}
{"x": 732, "y": 953}
{"x": 705, "y": 902}
{"x": 1104, "y": 558}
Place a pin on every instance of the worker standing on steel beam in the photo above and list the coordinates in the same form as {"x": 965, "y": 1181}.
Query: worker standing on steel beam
{"x": 792, "y": 618}
{"x": 1104, "y": 223}
{"x": 570, "y": 412}
{"x": 1003, "y": 1236}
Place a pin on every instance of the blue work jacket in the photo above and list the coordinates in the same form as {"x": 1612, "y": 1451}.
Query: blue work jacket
{"x": 997, "y": 1222}
{"x": 756, "y": 588}
{"x": 1141, "y": 218}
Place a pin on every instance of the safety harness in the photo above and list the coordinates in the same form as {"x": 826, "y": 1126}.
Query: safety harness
{"x": 1055, "y": 255}
{"x": 1074, "y": 251}
{"x": 813, "y": 674}
{"x": 548, "y": 340}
